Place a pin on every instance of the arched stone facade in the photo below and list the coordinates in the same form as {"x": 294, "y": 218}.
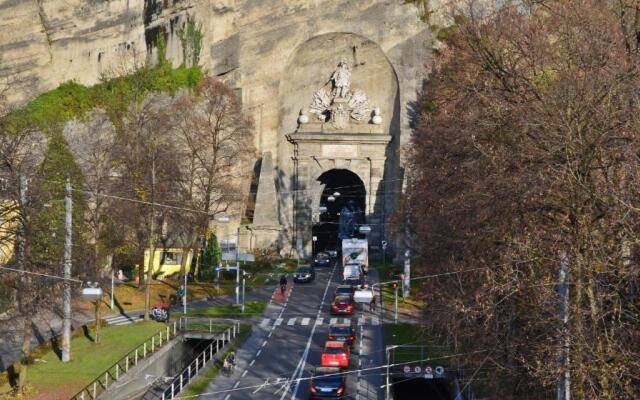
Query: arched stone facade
{"x": 306, "y": 151}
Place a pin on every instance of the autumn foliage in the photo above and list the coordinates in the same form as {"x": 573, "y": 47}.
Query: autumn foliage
{"x": 525, "y": 159}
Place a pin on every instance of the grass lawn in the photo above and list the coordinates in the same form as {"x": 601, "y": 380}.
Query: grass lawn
{"x": 200, "y": 384}
{"x": 129, "y": 297}
{"x": 420, "y": 344}
{"x": 251, "y": 309}
{"x": 53, "y": 379}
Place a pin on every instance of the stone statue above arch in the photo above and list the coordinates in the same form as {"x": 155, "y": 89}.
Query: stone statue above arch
{"x": 341, "y": 104}
{"x": 341, "y": 80}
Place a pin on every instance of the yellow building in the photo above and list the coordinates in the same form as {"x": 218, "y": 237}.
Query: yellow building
{"x": 167, "y": 261}
{"x": 8, "y": 225}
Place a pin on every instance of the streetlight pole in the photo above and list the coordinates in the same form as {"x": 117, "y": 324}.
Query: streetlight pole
{"x": 388, "y": 386}
{"x": 243, "y": 284}
{"x": 238, "y": 267}
{"x": 396, "y": 313}
{"x": 184, "y": 296}
{"x": 66, "y": 333}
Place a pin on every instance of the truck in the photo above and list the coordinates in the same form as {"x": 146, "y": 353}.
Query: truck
{"x": 355, "y": 257}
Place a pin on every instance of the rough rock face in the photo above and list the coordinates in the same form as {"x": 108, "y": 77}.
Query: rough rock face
{"x": 274, "y": 52}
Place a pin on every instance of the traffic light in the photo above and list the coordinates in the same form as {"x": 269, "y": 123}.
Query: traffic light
{"x": 394, "y": 284}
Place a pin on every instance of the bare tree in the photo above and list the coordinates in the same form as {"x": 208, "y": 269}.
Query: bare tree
{"x": 525, "y": 163}
{"x": 147, "y": 173}
{"x": 21, "y": 150}
{"x": 215, "y": 141}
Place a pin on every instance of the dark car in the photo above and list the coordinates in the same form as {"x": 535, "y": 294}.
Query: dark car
{"x": 321, "y": 260}
{"x": 327, "y": 383}
{"x": 353, "y": 281}
{"x": 342, "y": 333}
{"x": 344, "y": 290}
{"x": 342, "y": 305}
{"x": 304, "y": 274}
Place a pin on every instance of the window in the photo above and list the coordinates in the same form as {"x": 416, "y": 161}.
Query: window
{"x": 170, "y": 258}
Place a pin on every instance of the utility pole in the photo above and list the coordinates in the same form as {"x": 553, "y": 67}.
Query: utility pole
{"x": 152, "y": 250}
{"x": 68, "y": 222}
{"x": 238, "y": 267}
{"x": 22, "y": 193}
{"x": 243, "y": 284}
{"x": 406, "y": 280}
{"x": 564, "y": 383}
{"x": 113, "y": 279}
{"x": 184, "y": 297}
{"x": 388, "y": 384}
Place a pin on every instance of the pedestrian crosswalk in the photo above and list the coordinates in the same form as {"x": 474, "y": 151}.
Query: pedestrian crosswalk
{"x": 305, "y": 321}
{"x": 122, "y": 319}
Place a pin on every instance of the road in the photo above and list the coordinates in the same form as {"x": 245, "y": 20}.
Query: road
{"x": 279, "y": 357}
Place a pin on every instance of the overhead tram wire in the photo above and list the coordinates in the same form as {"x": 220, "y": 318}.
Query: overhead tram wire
{"x": 290, "y": 381}
{"x": 41, "y": 274}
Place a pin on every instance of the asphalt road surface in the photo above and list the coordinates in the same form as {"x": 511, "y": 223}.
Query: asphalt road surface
{"x": 277, "y": 360}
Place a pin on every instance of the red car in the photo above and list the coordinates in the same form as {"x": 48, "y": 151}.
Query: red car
{"x": 342, "y": 305}
{"x": 335, "y": 354}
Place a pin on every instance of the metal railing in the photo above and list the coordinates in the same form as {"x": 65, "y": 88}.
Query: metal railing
{"x": 180, "y": 381}
{"x": 122, "y": 366}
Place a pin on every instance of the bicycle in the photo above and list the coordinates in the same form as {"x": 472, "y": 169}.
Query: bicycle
{"x": 227, "y": 367}
{"x": 282, "y": 289}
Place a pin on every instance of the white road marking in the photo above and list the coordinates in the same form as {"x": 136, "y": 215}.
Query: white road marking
{"x": 347, "y": 321}
{"x": 227, "y": 397}
{"x": 361, "y": 320}
{"x": 333, "y": 321}
{"x": 244, "y": 373}
{"x": 236, "y": 385}
{"x": 264, "y": 343}
{"x": 270, "y": 333}
{"x": 258, "y": 353}
{"x": 291, "y": 321}
{"x": 252, "y": 362}
{"x": 278, "y": 322}
{"x": 265, "y": 322}
{"x": 303, "y": 360}
{"x": 375, "y": 321}
{"x": 305, "y": 321}
{"x": 319, "y": 321}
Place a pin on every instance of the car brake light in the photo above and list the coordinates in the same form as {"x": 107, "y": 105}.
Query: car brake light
{"x": 340, "y": 389}
{"x": 351, "y": 337}
{"x": 331, "y": 337}
{"x": 313, "y": 389}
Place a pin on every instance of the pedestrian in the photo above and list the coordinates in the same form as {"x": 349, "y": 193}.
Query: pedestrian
{"x": 372, "y": 304}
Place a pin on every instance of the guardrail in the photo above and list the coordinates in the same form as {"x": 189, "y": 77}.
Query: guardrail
{"x": 181, "y": 380}
{"x": 122, "y": 366}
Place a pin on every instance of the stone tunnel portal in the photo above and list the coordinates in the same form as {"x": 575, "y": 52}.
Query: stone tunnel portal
{"x": 341, "y": 188}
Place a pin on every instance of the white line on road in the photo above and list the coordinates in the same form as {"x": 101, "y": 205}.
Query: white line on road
{"x": 305, "y": 321}
{"x": 227, "y": 397}
{"x": 258, "y": 353}
{"x": 319, "y": 321}
{"x": 252, "y": 362}
{"x": 264, "y": 343}
{"x": 244, "y": 373}
{"x": 236, "y": 385}
{"x": 300, "y": 368}
{"x": 333, "y": 321}
{"x": 291, "y": 321}
{"x": 361, "y": 320}
{"x": 347, "y": 321}
{"x": 265, "y": 322}
{"x": 278, "y": 322}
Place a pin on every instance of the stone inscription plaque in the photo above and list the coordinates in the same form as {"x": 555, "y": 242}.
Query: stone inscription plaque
{"x": 339, "y": 150}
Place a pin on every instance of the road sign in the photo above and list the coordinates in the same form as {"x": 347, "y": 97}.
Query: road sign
{"x": 417, "y": 369}
{"x": 384, "y": 245}
{"x": 428, "y": 370}
{"x": 315, "y": 238}
{"x": 406, "y": 369}
{"x": 439, "y": 370}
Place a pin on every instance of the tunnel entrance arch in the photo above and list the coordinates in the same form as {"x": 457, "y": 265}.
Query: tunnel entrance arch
{"x": 344, "y": 197}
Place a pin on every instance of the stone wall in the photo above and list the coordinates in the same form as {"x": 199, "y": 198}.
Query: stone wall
{"x": 257, "y": 46}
